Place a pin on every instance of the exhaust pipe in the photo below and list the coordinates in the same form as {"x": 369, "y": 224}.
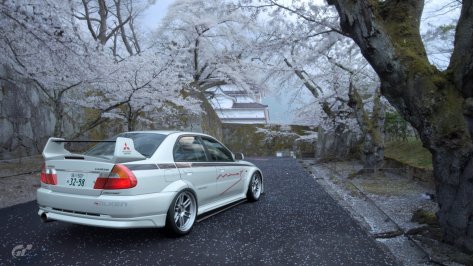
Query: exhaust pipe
{"x": 45, "y": 218}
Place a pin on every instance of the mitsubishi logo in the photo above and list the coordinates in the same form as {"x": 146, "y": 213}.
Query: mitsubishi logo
{"x": 126, "y": 147}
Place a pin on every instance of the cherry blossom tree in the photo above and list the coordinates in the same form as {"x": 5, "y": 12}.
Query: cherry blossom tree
{"x": 135, "y": 88}
{"x": 216, "y": 38}
{"x": 438, "y": 103}
{"x": 40, "y": 45}
{"x": 46, "y": 48}
{"x": 304, "y": 48}
{"x": 215, "y": 42}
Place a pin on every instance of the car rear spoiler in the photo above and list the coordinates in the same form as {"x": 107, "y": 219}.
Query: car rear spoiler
{"x": 124, "y": 149}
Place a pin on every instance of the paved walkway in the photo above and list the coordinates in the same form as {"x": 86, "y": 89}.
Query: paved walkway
{"x": 295, "y": 222}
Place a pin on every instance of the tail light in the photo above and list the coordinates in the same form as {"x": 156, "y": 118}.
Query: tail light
{"x": 119, "y": 178}
{"x": 48, "y": 175}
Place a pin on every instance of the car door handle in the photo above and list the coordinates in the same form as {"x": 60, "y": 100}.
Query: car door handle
{"x": 188, "y": 172}
{"x": 221, "y": 170}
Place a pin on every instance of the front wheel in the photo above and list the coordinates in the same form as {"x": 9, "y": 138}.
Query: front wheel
{"x": 255, "y": 187}
{"x": 181, "y": 214}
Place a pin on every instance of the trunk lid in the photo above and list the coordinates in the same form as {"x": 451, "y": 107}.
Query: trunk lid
{"x": 77, "y": 173}
{"x": 78, "y": 176}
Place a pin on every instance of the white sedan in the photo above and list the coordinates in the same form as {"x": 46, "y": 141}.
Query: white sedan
{"x": 144, "y": 179}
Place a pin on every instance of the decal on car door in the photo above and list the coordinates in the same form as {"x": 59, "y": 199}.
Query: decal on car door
{"x": 226, "y": 175}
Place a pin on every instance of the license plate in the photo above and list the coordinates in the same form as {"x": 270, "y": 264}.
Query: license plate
{"x": 76, "y": 180}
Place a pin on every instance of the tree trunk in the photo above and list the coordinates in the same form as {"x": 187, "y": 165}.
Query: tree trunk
{"x": 372, "y": 129}
{"x": 122, "y": 27}
{"x": 103, "y": 28}
{"x": 436, "y": 103}
{"x": 376, "y": 150}
{"x": 59, "y": 116}
{"x": 453, "y": 171}
{"x": 130, "y": 117}
{"x": 209, "y": 121}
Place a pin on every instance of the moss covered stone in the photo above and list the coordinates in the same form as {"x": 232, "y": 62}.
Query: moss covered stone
{"x": 424, "y": 217}
{"x": 266, "y": 140}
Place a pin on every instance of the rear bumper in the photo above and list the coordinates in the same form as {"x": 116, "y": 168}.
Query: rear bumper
{"x": 138, "y": 211}
{"x": 138, "y": 222}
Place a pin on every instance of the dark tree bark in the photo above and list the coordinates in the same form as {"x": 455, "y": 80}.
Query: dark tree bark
{"x": 372, "y": 128}
{"x": 132, "y": 115}
{"x": 103, "y": 13}
{"x": 122, "y": 27}
{"x": 438, "y": 104}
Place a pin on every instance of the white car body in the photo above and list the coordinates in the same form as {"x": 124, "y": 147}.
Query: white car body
{"x": 159, "y": 179}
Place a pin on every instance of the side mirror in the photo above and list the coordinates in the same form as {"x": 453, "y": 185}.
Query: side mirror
{"x": 239, "y": 156}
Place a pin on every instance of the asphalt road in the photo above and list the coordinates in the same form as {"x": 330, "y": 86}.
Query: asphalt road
{"x": 295, "y": 222}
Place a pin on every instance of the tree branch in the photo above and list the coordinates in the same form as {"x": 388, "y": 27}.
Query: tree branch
{"x": 88, "y": 19}
{"x": 307, "y": 18}
{"x": 61, "y": 92}
{"x": 307, "y": 83}
{"x": 116, "y": 28}
{"x": 461, "y": 62}
{"x": 207, "y": 84}
{"x": 356, "y": 18}
{"x": 122, "y": 27}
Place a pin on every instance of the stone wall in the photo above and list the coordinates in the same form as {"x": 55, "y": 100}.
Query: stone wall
{"x": 267, "y": 140}
{"x": 397, "y": 167}
{"x": 25, "y": 121}
{"x": 337, "y": 144}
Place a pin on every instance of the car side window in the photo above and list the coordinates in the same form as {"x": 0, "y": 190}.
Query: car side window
{"x": 189, "y": 149}
{"x": 217, "y": 152}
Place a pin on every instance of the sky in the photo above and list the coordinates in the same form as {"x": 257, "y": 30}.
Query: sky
{"x": 155, "y": 13}
{"x": 439, "y": 12}
{"x": 282, "y": 105}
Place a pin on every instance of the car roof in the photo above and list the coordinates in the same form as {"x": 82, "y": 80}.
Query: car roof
{"x": 169, "y": 132}
{"x": 163, "y": 132}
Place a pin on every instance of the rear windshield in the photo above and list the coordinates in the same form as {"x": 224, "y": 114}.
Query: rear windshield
{"x": 145, "y": 143}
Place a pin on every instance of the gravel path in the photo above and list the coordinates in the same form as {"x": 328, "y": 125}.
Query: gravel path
{"x": 18, "y": 189}
{"x": 295, "y": 222}
{"x": 19, "y": 180}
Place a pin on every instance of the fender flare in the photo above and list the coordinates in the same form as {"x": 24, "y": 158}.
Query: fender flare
{"x": 180, "y": 185}
{"x": 252, "y": 172}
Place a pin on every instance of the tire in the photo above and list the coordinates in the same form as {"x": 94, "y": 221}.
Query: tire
{"x": 181, "y": 214}
{"x": 254, "y": 187}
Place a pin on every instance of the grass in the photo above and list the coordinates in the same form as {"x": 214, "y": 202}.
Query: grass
{"x": 409, "y": 152}
{"x": 382, "y": 186}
